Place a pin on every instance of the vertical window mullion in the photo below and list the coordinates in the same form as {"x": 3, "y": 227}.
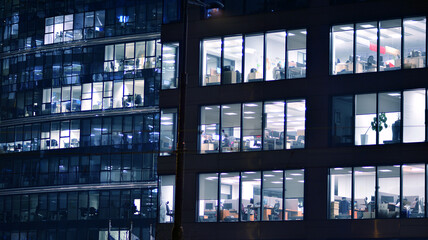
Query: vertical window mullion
{"x": 402, "y": 50}
{"x": 220, "y": 141}
{"x": 285, "y": 125}
{"x": 264, "y": 57}
{"x": 377, "y": 118}
{"x": 241, "y": 134}
{"x": 240, "y": 197}
{"x": 401, "y": 191}
{"x": 221, "y": 60}
{"x": 283, "y": 195}
{"x": 378, "y": 47}
{"x": 243, "y": 60}
{"x": 264, "y": 119}
{"x": 352, "y": 190}
{"x": 261, "y": 196}
{"x": 376, "y": 192}
{"x": 354, "y": 46}
{"x": 218, "y": 196}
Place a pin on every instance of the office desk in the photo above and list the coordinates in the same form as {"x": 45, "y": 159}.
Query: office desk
{"x": 414, "y": 62}
{"x": 291, "y": 214}
{"x": 268, "y": 214}
{"x": 225, "y": 213}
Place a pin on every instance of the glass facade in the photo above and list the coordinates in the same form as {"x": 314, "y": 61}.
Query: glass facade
{"x": 250, "y": 196}
{"x": 26, "y": 24}
{"x": 253, "y": 58}
{"x": 394, "y": 191}
{"x": 369, "y": 119}
{"x": 354, "y": 47}
{"x": 276, "y": 124}
{"x": 79, "y": 122}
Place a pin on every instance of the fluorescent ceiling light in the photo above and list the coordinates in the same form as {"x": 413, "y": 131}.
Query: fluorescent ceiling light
{"x": 303, "y": 32}
{"x": 346, "y": 28}
{"x": 251, "y": 105}
{"x": 296, "y": 174}
{"x": 366, "y": 25}
{"x": 230, "y": 114}
{"x": 208, "y": 108}
{"x": 385, "y": 170}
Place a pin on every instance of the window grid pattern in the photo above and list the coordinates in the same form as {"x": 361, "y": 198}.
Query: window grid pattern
{"x": 249, "y": 196}
{"x": 402, "y": 45}
{"x": 85, "y": 20}
{"x": 379, "y": 118}
{"x": 367, "y": 192}
{"x": 74, "y": 80}
{"x": 281, "y": 126}
{"x": 123, "y": 132}
{"x": 254, "y": 57}
{"x": 84, "y": 205}
{"x": 114, "y": 167}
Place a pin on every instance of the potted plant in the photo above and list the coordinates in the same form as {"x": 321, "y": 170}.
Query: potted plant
{"x": 378, "y": 124}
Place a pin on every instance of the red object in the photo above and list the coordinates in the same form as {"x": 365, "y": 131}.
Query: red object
{"x": 373, "y": 47}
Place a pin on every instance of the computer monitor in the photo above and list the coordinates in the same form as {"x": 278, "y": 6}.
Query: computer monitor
{"x": 209, "y": 206}
{"x": 227, "y": 206}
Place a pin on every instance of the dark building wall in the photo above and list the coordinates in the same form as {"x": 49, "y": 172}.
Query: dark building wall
{"x": 317, "y": 88}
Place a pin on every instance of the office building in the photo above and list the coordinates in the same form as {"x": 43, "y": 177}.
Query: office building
{"x": 79, "y": 122}
{"x": 305, "y": 119}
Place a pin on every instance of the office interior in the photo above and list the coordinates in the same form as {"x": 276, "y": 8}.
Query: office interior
{"x": 364, "y": 36}
{"x": 377, "y": 192}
